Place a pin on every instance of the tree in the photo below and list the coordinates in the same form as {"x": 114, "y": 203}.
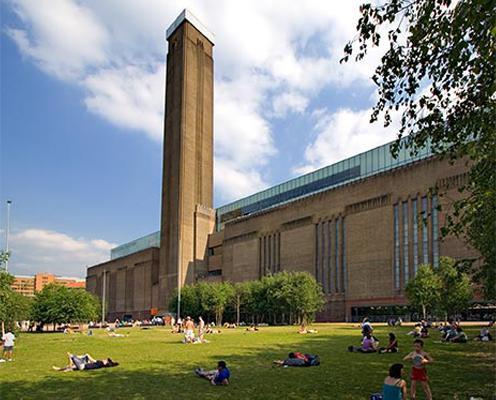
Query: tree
{"x": 456, "y": 293}
{"x": 424, "y": 291}
{"x": 190, "y": 301}
{"x": 57, "y": 304}
{"x": 241, "y": 297}
{"x": 13, "y": 306}
{"x": 214, "y": 297}
{"x": 438, "y": 71}
{"x": 305, "y": 297}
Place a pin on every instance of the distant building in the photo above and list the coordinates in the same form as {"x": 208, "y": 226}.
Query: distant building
{"x": 28, "y": 285}
{"x": 361, "y": 226}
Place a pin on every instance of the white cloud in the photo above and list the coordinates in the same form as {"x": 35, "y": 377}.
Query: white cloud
{"x": 271, "y": 60}
{"x": 130, "y": 97}
{"x": 343, "y": 134}
{"x": 61, "y": 36}
{"x": 40, "y": 250}
{"x": 289, "y": 102}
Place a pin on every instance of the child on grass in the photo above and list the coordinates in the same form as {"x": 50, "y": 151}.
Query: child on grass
{"x": 419, "y": 359}
{"x": 8, "y": 339}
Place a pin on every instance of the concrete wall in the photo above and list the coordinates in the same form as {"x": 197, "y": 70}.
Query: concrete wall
{"x": 130, "y": 287}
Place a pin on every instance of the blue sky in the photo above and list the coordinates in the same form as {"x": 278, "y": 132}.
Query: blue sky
{"x": 82, "y": 105}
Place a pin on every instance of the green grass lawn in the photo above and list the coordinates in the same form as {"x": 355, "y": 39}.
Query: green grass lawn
{"x": 154, "y": 364}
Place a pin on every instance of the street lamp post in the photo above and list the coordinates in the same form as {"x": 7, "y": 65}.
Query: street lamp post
{"x": 7, "y": 232}
{"x": 104, "y": 287}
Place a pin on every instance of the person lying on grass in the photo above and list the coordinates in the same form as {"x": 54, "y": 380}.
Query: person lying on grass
{"x": 85, "y": 362}
{"x": 113, "y": 334}
{"x": 303, "y": 330}
{"x": 296, "y": 359}
{"x": 218, "y": 377}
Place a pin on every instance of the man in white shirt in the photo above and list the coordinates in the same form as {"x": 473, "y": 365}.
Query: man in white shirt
{"x": 8, "y": 345}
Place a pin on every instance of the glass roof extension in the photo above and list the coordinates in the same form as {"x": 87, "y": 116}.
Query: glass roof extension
{"x": 360, "y": 166}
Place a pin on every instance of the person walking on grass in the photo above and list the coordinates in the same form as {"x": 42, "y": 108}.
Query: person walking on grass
{"x": 419, "y": 359}
{"x": 8, "y": 339}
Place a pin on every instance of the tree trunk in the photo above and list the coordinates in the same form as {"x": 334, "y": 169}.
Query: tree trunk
{"x": 238, "y": 306}
{"x": 423, "y": 311}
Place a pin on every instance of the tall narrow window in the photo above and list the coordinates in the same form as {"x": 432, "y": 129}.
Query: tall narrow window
{"x": 329, "y": 256}
{"x": 343, "y": 254}
{"x": 396, "y": 233}
{"x": 317, "y": 252}
{"x": 435, "y": 232}
{"x": 406, "y": 272}
{"x": 415, "y": 235}
{"x": 336, "y": 257}
{"x": 425, "y": 234}
{"x": 323, "y": 257}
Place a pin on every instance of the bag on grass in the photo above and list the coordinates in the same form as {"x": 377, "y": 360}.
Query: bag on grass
{"x": 313, "y": 360}
{"x": 376, "y": 396}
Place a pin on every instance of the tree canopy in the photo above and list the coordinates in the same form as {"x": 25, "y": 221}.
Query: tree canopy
{"x": 446, "y": 291}
{"x": 13, "y": 306}
{"x": 424, "y": 291}
{"x": 438, "y": 71}
{"x": 281, "y": 298}
{"x": 57, "y": 304}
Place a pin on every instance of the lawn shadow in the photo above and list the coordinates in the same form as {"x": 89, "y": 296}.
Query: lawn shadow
{"x": 341, "y": 375}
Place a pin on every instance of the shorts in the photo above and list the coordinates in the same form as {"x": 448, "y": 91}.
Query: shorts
{"x": 189, "y": 333}
{"x": 8, "y": 348}
{"x": 419, "y": 374}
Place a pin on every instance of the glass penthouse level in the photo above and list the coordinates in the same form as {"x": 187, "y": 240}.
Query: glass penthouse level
{"x": 351, "y": 169}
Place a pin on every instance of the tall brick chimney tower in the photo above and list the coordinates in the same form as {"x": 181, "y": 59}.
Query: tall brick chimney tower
{"x": 187, "y": 188}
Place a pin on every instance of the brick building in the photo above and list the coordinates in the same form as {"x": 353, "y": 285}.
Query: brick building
{"x": 361, "y": 226}
{"x": 28, "y": 285}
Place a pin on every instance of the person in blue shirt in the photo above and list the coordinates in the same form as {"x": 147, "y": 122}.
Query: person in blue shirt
{"x": 394, "y": 387}
{"x": 219, "y": 377}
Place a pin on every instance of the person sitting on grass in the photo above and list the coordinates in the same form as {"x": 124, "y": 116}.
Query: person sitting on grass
{"x": 394, "y": 387}
{"x": 369, "y": 345}
{"x": 392, "y": 347}
{"x": 484, "y": 335}
{"x": 415, "y": 332}
{"x": 252, "y": 328}
{"x": 460, "y": 337}
{"x": 296, "y": 359}
{"x": 219, "y": 377}
{"x": 85, "y": 362}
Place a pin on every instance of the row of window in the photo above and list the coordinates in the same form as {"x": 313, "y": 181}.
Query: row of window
{"x": 330, "y": 255}
{"x": 406, "y": 249}
{"x": 269, "y": 254}
{"x": 368, "y": 163}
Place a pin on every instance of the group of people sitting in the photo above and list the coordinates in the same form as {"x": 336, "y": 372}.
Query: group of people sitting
{"x": 453, "y": 333}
